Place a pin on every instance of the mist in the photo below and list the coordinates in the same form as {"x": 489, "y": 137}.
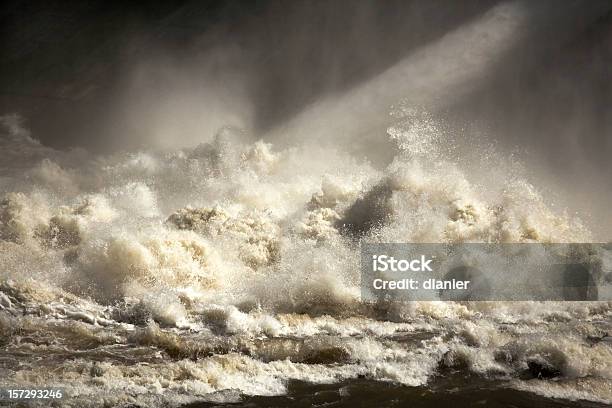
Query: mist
{"x": 192, "y": 194}
{"x": 530, "y": 78}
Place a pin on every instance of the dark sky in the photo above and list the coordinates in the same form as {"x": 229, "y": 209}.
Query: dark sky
{"x": 70, "y": 60}
{"x": 64, "y": 63}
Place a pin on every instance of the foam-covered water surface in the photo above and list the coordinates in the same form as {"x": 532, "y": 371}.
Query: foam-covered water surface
{"x": 229, "y": 270}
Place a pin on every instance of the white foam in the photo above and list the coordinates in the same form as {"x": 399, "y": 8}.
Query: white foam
{"x": 247, "y": 252}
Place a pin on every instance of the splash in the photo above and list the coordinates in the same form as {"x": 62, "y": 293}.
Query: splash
{"x": 234, "y": 266}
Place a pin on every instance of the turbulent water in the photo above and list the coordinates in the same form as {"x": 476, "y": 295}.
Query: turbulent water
{"x": 230, "y": 270}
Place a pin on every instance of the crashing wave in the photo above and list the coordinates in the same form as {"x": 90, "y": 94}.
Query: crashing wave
{"x": 233, "y": 266}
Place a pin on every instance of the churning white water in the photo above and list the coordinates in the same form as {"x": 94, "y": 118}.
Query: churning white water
{"x": 164, "y": 277}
